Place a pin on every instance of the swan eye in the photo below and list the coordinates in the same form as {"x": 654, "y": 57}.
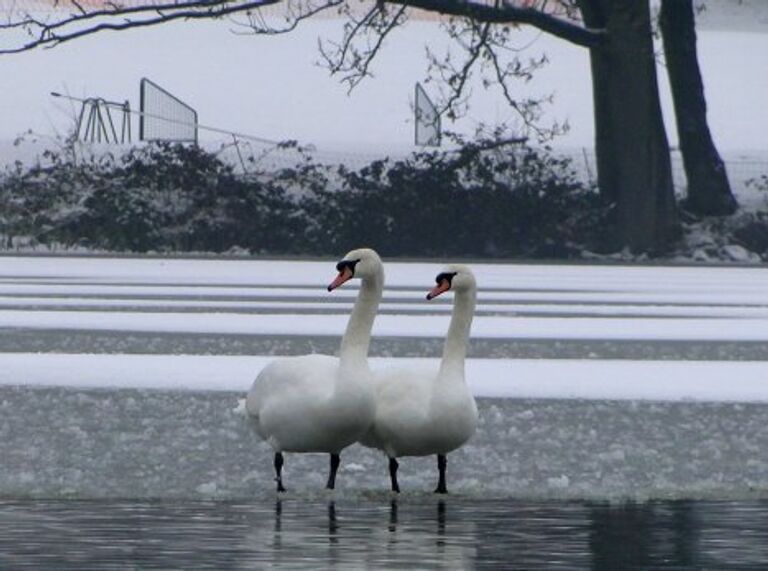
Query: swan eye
{"x": 447, "y": 276}
{"x": 347, "y": 264}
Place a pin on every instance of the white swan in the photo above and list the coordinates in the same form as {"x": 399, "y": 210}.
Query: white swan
{"x": 318, "y": 403}
{"x": 421, "y": 413}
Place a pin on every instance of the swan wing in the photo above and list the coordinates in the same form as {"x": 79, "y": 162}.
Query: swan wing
{"x": 293, "y": 381}
{"x": 295, "y": 406}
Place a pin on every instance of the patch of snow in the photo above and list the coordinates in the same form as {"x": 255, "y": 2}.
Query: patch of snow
{"x": 486, "y": 327}
{"x": 739, "y": 253}
{"x": 240, "y": 408}
{"x": 699, "y": 381}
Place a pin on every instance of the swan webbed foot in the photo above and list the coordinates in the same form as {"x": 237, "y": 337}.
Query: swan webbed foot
{"x": 335, "y": 461}
{"x": 393, "y": 466}
{"x": 442, "y": 463}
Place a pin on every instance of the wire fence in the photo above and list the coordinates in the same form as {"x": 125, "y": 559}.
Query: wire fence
{"x": 741, "y": 167}
{"x": 251, "y": 155}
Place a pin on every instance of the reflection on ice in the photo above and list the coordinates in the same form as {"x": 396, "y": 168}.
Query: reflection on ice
{"x": 364, "y": 534}
{"x": 424, "y": 532}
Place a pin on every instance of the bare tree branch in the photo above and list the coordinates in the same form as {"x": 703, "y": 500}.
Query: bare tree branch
{"x": 292, "y": 19}
{"x": 337, "y": 62}
{"x": 46, "y": 34}
{"x": 457, "y": 81}
{"x": 352, "y": 62}
{"x": 508, "y": 13}
{"x": 527, "y": 110}
{"x": 83, "y": 15}
{"x": 366, "y": 62}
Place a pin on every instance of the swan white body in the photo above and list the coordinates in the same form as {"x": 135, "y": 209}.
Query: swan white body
{"x": 310, "y": 404}
{"x": 420, "y": 413}
{"x": 319, "y": 403}
{"x": 415, "y": 419}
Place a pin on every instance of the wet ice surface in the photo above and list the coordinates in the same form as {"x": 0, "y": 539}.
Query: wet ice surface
{"x": 425, "y": 533}
{"x": 65, "y": 442}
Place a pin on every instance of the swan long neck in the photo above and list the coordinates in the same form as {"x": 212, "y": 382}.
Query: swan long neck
{"x": 357, "y": 337}
{"x": 455, "y": 348}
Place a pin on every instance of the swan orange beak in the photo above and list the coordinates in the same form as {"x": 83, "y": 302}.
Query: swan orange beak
{"x": 344, "y": 275}
{"x": 442, "y": 287}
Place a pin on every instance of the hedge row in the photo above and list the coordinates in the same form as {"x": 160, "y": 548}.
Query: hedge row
{"x": 483, "y": 199}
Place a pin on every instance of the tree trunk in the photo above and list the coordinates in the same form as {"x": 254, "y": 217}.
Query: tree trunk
{"x": 634, "y": 170}
{"x": 708, "y": 189}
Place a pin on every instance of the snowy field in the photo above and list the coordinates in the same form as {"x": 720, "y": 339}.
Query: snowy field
{"x": 122, "y": 377}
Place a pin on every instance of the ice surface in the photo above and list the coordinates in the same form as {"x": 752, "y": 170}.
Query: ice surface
{"x": 277, "y": 308}
{"x": 58, "y": 442}
{"x": 391, "y": 325}
{"x": 515, "y": 302}
{"x": 118, "y": 377}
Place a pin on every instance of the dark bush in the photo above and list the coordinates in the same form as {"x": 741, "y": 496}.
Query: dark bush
{"x": 486, "y": 199}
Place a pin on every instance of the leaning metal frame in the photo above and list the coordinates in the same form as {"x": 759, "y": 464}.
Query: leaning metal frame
{"x": 143, "y": 114}
{"x": 420, "y": 123}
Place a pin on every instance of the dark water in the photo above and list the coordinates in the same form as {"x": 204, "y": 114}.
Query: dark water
{"x": 417, "y": 532}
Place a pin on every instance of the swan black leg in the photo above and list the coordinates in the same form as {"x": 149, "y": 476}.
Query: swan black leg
{"x": 393, "y": 465}
{"x": 442, "y": 462}
{"x": 335, "y": 461}
{"x": 279, "y": 471}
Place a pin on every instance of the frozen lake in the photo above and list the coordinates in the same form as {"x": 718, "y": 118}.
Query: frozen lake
{"x": 622, "y": 418}
{"x": 572, "y": 331}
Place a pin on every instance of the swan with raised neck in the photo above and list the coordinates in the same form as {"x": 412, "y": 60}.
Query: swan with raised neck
{"x": 366, "y": 265}
{"x": 420, "y": 413}
{"x": 320, "y": 403}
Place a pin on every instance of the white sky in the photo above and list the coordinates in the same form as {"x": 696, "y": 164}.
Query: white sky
{"x": 271, "y": 86}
